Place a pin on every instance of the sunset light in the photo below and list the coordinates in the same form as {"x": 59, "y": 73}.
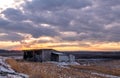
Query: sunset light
{"x": 6, "y": 3}
{"x": 60, "y": 25}
{"x": 59, "y": 38}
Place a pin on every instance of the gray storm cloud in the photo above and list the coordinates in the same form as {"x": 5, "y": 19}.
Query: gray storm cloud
{"x": 90, "y": 19}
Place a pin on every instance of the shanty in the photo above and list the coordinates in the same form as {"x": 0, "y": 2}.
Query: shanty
{"x": 44, "y": 55}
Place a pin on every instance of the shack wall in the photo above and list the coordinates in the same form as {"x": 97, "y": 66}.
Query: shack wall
{"x": 71, "y": 58}
{"x": 46, "y": 55}
{"x": 63, "y": 58}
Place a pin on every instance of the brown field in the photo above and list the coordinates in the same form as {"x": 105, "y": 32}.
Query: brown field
{"x": 50, "y": 70}
{"x": 99, "y": 69}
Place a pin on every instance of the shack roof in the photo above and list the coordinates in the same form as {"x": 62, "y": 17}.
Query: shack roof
{"x": 39, "y": 50}
{"x": 58, "y": 53}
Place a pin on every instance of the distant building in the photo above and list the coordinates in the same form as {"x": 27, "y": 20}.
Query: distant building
{"x": 43, "y": 55}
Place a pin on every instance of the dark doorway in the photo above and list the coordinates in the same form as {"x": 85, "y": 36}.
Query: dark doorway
{"x": 54, "y": 57}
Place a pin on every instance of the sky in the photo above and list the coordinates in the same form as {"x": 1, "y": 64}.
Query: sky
{"x": 60, "y": 24}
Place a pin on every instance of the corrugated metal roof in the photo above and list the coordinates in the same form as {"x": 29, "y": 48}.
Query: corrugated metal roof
{"x": 58, "y": 53}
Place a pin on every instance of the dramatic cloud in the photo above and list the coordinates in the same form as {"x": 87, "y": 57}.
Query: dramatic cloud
{"x": 9, "y": 36}
{"x": 78, "y": 21}
{"x": 56, "y": 4}
{"x": 14, "y": 14}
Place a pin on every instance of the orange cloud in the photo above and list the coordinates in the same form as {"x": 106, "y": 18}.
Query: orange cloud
{"x": 74, "y": 46}
{"x": 55, "y": 43}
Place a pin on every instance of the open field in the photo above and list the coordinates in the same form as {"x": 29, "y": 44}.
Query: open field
{"x": 92, "y": 65}
{"x": 109, "y": 69}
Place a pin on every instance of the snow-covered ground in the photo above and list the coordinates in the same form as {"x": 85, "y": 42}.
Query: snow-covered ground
{"x": 104, "y": 75}
{"x": 64, "y": 64}
{"x": 7, "y": 72}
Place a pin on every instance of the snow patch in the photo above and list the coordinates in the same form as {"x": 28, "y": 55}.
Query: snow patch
{"x": 105, "y": 75}
{"x": 65, "y": 64}
{"x": 7, "y": 72}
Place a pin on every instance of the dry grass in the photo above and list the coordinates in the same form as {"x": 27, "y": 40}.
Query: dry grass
{"x": 47, "y": 70}
{"x": 99, "y": 69}
{"x": 18, "y": 67}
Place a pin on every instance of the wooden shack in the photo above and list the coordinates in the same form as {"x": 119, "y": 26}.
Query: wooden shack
{"x": 43, "y": 55}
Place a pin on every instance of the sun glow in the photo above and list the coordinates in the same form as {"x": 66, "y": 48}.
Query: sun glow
{"x": 6, "y": 3}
